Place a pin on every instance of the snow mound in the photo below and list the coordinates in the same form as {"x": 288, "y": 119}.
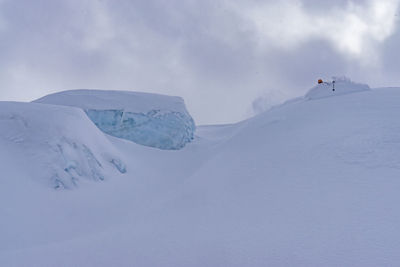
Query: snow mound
{"x": 148, "y": 119}
{"x": 58, "y": 145}
{"x": 341, "y": 85}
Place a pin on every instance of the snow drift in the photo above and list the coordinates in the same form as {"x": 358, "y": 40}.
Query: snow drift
{"x": 147, "y": 119}
{"x": 342, "y": 86}
{"x": 56, "y": 144}
{"x": 308, "y": 183}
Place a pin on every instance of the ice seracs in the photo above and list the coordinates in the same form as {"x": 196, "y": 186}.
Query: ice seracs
{"x": 148, "y": 119}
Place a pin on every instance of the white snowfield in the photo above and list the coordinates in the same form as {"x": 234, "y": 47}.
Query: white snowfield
{"x": 54, "y": 144}
{"x": 309, "y": 183}
{"x": 339, "y": 86}
{"x": 149, "y": 119}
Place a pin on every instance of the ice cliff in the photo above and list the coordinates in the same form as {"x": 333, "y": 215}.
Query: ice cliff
{"x": 148, "y": 119}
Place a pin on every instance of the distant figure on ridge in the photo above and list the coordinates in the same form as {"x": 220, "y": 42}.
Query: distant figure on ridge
{"x": 320, "y": 81}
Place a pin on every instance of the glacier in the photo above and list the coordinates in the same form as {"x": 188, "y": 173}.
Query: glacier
{"x": 148, "y": 119}
{"x": 313, "y": 182}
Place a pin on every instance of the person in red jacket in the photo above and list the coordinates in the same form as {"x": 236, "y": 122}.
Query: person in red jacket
{"x": 333, "y": 83}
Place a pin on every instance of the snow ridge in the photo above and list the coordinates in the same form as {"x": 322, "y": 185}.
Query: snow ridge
{"x": 338, "y": 86}
{"x": 57, "y": 144}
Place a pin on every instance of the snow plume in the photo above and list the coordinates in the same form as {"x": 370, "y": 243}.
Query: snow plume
{"x": 270, "y": 99}
{"x": 343, "y": 85}
{"x": 352, "y": 29}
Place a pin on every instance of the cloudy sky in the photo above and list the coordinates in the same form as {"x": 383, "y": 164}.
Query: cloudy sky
{"x": 227, "y": 59}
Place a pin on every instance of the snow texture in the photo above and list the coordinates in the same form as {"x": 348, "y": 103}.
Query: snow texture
{"x": 338, "y": 86}
{"x": 308, "y": 183}
{"x": 148, "y": 119}
{"x": 57, "y": 144}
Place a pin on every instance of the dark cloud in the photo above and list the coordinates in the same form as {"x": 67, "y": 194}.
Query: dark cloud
{"x": 210, "y": 52}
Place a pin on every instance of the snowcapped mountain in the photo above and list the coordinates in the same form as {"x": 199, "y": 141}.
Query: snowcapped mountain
{"x": 313, "y": 182}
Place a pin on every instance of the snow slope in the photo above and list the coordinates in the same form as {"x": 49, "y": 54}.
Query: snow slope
{"x": 148, "y": 119}
{"x": 338, "y": 86}
{"x": 57, "y": 145}
{"x": 309, "y": 183}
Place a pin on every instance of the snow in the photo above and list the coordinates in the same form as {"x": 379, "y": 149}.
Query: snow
{"x": 149, "y": 119}
{"x": 342, "y": 85}
{"x": 308, "y": 183}
{"x": 135, "y": 102}
{"x": 57, "y": 145}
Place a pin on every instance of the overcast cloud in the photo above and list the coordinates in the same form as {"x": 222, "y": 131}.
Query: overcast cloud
{"x": 227, "y": 59}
